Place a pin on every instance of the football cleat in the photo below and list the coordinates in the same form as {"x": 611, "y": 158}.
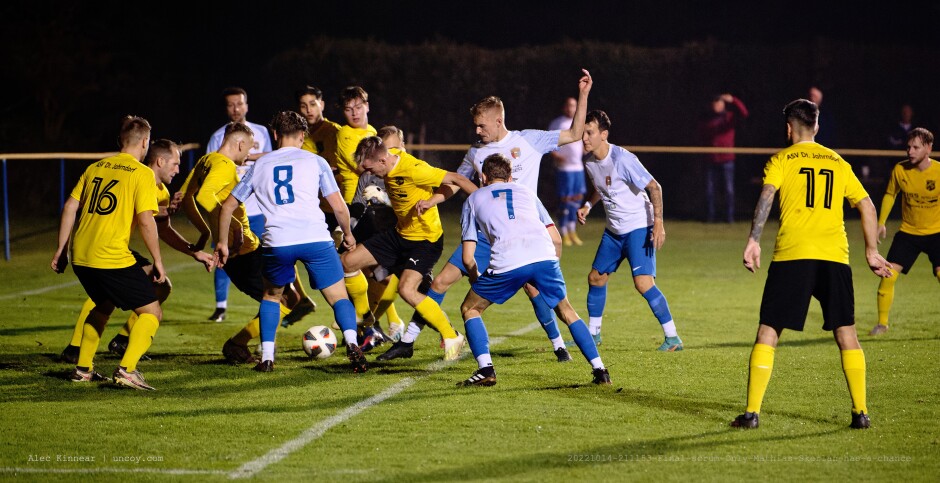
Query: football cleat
{"x": 118, "y": 346}
{"x": 371, "y": 341}
{"x": 878, "y": 329}
{"x": 671, "y": 344}
{"x": 79, "y": 375}
{"x": 301, "y": 310}
{"x": 601, "y": 376}
{"x": 748, "y": 420}
{"x": 356, "y": 358}
{"x": 264, "y": 366}
{"x": 860, "y": 421}
{"x": 218, "y": 315}
{"x": 237, "y": 354}
{"x": 485, "y": 376}
{"x": 452, "y": 347}
{"x": 398, "y": 350}
{"x": 69, "y": 354}
{"x": 575, "y": 239}
{"x": 131, "y": 379}
{"x": 597, "y": 338}
{"x": 562, "y": 354}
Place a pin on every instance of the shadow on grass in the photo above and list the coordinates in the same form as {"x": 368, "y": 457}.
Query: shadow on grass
{"x": 12, "y": 332}
{"x": 521, "y": 465}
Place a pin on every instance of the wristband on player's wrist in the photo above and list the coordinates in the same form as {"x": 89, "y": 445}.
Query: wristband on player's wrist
{"x": 587, "y": 204}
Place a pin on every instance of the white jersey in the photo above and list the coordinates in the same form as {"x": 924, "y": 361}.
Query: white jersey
{"x": 524, "y": 149}
{"x": 287, "y": 184}
{"x": 513, "y": 220}
{"x": 621, "y": 181}
{"x": 572, "y": 154}
{"x": 262, "y": 145}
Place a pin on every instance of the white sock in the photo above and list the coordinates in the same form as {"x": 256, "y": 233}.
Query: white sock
{"x": 596, "y": 363}
{"x": 222, "y": 305}
{"x": 267, "y": 351}
{"x": 412, "y": 333}
{"x": 558, "y": 342}
{"x": 669, "y": 328}
{"x": 351, "y": 337}
{"x": 595, "y": 325}
{"x": 484, "y": 360}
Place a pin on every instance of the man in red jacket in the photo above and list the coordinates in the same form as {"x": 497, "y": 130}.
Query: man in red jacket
{"x": 717, "y": 129}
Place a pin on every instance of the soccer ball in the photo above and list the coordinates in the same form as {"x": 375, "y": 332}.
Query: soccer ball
{"x": 319, "y": 342}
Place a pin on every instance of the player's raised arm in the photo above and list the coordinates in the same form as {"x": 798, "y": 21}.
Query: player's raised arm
{"x": 577, "y": 125}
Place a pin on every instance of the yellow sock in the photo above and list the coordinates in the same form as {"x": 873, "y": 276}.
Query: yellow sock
{"x": 91, "y": 337}
{"x": 251, "y": 330}
{"x": 139, "y": 341}
{"x": 853, "y": 365}
{"x": 435, "y": 317}
{"x": 129, "y": 325}
{"x": 299, "y": 285}
{"x": 392, "y": 313}
{"x": 761, "y": 365}
{"x": 886, "y": 297}
{"x": 80, "y": 324}
{"x": 358, "y": 288}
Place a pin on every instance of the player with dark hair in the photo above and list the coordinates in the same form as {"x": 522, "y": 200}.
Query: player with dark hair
{"x": 522, "y": 252}
{"x": 634, "y": 229}
{"x": 918, "y": 181}
{"x": 811, "y": 256}
{"x": 287, "y": 184}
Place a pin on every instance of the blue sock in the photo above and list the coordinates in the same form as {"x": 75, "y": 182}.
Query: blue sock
{"x": 583, "y": 338}
{"x": 477, "y": 337}
{"x": 596, "y": 300}
{"x": 546, "y": 317}
{"x": 658, "y": 304}
{"x": 221, "y": 285}
{"x": 572, "y": 212}
{"x": 345, "y": 314}
{"x": 437, "y": 297}
{"x": 268, "y": 315}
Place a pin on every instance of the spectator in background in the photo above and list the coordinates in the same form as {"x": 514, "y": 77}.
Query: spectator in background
{"x": 717, "y": 130}
{"x": 827, "y": 135}
{"x": 897, "y": 137}
{"x": 569, "y": 169}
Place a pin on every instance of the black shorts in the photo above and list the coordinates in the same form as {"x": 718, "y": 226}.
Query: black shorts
{"x": 127, "y": 288}
{"x": 392, "y": 251}
{"x": 140, "y": 260}
{"x": 372, "y": 220}
{"x": 790, "y": 285}
{"x": 246, "y": 273}
{"x": 905, "y": 248}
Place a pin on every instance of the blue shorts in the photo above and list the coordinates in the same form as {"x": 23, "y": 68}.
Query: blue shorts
{"x": 634, "y": 246}
{"x": 320, "y": 258}
{"x": 570, "y": 183}
{"x": 545, "y": 276}
{"x": 256, "y": 225}
{"x": 481, "y": 255}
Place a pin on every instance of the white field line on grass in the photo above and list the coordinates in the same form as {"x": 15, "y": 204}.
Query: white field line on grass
{"x": 253, "y": 467}
{"x": 52, "y": 288}
{"x": 314, "y": 432}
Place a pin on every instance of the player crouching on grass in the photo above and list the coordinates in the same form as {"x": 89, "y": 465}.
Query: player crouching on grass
{"x": 287, "y": 183}
{"x": 514, "y": 221}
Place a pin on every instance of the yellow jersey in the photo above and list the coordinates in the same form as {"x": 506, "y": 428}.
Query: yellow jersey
{"x": 347, "y": 138}
{"x": 812, "y": 180}
{"x": 410, "y": 181}
{"x": 111, "y": 193}
{"x": 920, "y": 202}
{"x": 322, "y": 141}
{"x": 213, "y": 177}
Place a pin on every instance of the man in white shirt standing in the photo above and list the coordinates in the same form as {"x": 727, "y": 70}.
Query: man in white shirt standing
{"x": 287, "y": 184}
{"x": 569, "y": 176}
{"x": 634, "y": 226}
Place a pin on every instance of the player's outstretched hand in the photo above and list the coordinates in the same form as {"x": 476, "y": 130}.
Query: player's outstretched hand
{"x": 752, "y": 255}
{"x": 206, "y": 259}
{"x": 877, "y": 263}
{"x": 349, "y": 241}
{"x": 59, "y": 261}
{"x": 221, "y": 255}
{"x": 584, "y": 85}
{"x": 422, "y": 206}
{"x": 174, "y": 203}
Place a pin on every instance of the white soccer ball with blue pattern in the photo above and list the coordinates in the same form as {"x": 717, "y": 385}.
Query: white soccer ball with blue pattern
{"x": 319, "y": 342}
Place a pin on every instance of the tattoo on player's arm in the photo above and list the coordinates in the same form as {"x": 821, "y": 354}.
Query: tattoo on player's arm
{"x": 762, "y": 211}
{"x": 656, "y": 198}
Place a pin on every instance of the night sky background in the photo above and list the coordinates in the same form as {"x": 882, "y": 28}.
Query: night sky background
{"x": 73, "y": 69}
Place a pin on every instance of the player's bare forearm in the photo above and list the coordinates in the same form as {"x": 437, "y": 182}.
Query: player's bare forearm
{"x": 148, "y": 232}
{"x": 762, "y": 211}
{"x": 192, "y": 213}
{"x": 460, "y": 181}
{"x": 656, "y": 198}
{"x": 171, "y": 237}
{"x": 341, "y": 212}
{"x": 66, "y": 223}
{"x": 225, "y": 219}
{"x": 878, "y": 265}
{"x": 577, "y": 124}
{"x": 469, "y": 262}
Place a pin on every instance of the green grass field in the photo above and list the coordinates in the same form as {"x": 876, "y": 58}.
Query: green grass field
{"x": 665, "y": 417}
